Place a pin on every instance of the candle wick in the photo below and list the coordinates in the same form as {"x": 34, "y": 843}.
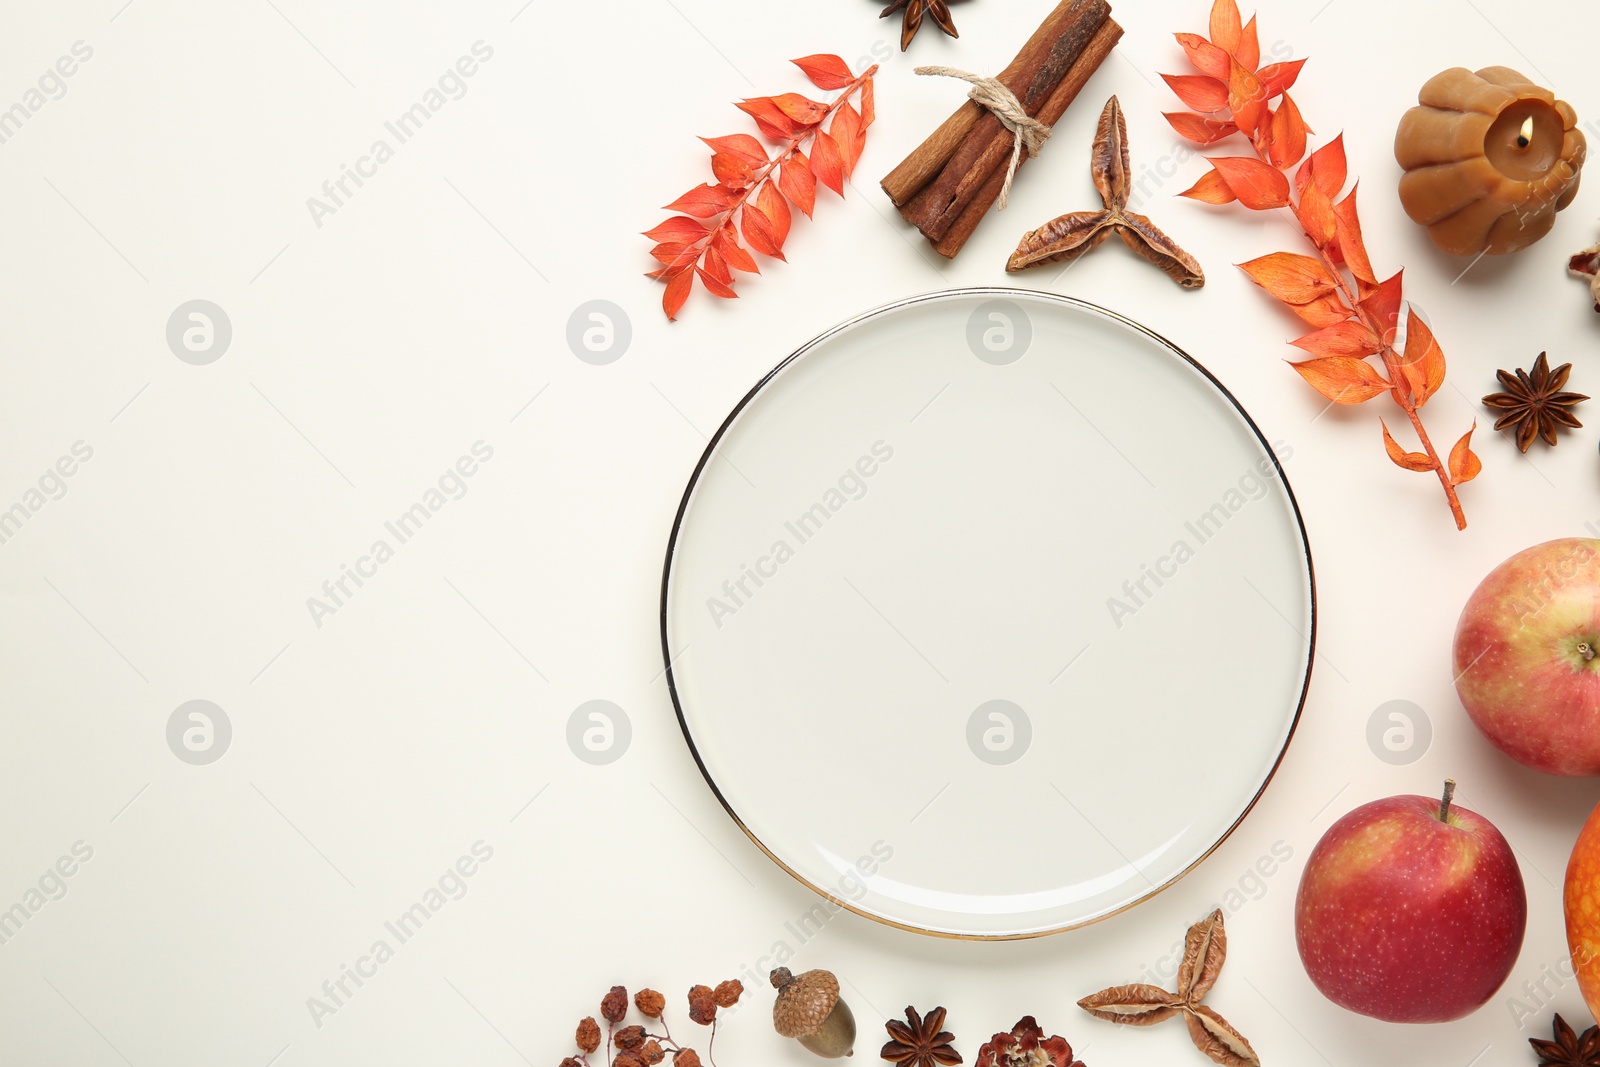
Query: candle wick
{"x": 1525, "y": 135}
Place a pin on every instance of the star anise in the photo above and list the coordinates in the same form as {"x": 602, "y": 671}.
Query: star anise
{"x": 1568, "y": 1049}
{"x": 1069, "y": 236}
{"x": 1204, "y": 951}
{"x": 920, "y": 1041}
{"x": 1536, "y": 404}
{"x": 911, "y": 21}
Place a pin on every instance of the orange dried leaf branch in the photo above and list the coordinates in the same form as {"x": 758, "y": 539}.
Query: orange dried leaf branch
{"x": 1354, "y": 316}
{"x": 747, "y": 207}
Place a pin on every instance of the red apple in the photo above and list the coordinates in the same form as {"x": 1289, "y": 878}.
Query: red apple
{"x": 1411, "y": 910}
{"x": 1525, "y": 657}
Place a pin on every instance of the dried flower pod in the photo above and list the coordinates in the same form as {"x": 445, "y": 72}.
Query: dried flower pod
{"x": 652, "y": 1053}
{"x": 808, "y": 1009}
{"x": 727, "y": 993}
{"x": 615, "y": 1005}
{"x": 628, "y": 1059}
{"x": 630, "y": 1037}
{"x": 1489, "y": 158}
{"x": 588, "y": 1035}
{"x": 686, "y": 1057}
{"x": 571, "y": 1062}
{"x": 702, "y": 1004}
{"x": 650, "y": 1003}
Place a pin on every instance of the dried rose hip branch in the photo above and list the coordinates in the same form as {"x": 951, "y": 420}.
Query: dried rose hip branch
{"x": 703, "y": 240}
{"x": 634, "y": 1046}
{"x": 1354, "y": 315}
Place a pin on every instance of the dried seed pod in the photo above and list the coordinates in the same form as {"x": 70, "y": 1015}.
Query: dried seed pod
{"x": 808, "y": 1009}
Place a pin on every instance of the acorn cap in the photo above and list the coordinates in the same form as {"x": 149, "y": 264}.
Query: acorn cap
{"x": 804, "y": 1001}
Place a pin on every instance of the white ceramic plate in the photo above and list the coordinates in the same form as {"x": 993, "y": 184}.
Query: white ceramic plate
{"x": 988, "y": 614}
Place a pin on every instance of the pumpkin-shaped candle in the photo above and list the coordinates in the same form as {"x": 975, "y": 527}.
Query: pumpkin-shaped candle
{"x": 1489, "y": 159}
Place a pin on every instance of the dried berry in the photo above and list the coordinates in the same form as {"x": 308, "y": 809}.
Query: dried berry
{"x": 652, "y": 1053}
{"x": 570, "y": 1062}
{"x": 588, "y": 1035}
{"x": 727, "y": 993}
{"x": 686, "y": 1057}
{"x": 615, "y": 1005}
{"x": 650, "y": 1003}
{"x": 630, "y": 1037}
{"x": 627, "y": 1059}
{"x": 702, "y": 1005}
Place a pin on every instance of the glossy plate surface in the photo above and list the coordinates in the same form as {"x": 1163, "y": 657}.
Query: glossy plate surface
{"x": 988, "y": 614}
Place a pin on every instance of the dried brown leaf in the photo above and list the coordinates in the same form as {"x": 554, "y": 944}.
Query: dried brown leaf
{"x": 1213, "y": 1035}
{"x": 1062, "y": 239}
{"x": 1133, "y": 1005}
{"x": 1204, "y": 951}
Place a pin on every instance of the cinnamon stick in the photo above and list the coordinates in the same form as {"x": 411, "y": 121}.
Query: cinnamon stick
{"x": 928, "y": 158}
{"x": 966, "y": 223}
{"x": 989, "y": 144}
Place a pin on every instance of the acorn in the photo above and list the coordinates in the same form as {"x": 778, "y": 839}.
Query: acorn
{"x": 808, "y": 1009}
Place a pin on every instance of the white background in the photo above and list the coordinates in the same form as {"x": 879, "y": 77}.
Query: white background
{"x": 372, "y": 351}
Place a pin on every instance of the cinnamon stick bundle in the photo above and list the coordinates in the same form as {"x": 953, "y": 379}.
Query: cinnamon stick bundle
{"x": 947, "y": 185}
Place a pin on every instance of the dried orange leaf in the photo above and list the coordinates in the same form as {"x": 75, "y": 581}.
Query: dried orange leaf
{"x": 1249, "y": 51}
{"x": 678, "y": 228}
{"x": 1279, "y": 78}
{"x": 702, "y": 201}
{"x": 726, "y": 242}
{"x": 1316, "y": 217}
{"x": 847, "y": 133}
{"x": 1204, "y": 56}
{"x": 1342, "y": 379}
{"x": 826, "y": 71}
{"x": 1226, "y": 25}
{"x": 1423, "y": 359}
{"x": 1247, "y": 98}
{"x": 1199, "y": 91}
{"x": 1210, "y": 189}
{"x": 1347, "y": 338}
{"x": 776, "y": 209}
{"x": 758, "y": 232}
{"x": 770, "y": 121}
{"x": 676, "y": 293}
{"x": 1257, "y": 185}
{"x": 1411, "y": 461}
{"x": 715, "y": 286}
{"x": 1326, "y": 310}
{"x": 799, "y": 109}
{"x": 796, "y": 182}
{"x": 1382, "y": 307}
{"x": 1464, "y": 463}
{"x": 1351, "y": 246}
{"x": 1288, "y": 136}
{"x": 1198, "y": 128}
{"x": 1292, "y": 278}
{"x": 1327, "y": 167}
{"x": 731, "y": 171}
{"x": 741, "y": 145}
{"x": 826, "y": 162}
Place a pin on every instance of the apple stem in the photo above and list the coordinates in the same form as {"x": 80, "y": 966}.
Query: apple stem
{"x": 1586, "y": 650}
{"x": 1449, "y": 794}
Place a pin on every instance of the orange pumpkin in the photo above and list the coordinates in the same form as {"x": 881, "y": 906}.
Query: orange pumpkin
{"x": 1489, "y": 159}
